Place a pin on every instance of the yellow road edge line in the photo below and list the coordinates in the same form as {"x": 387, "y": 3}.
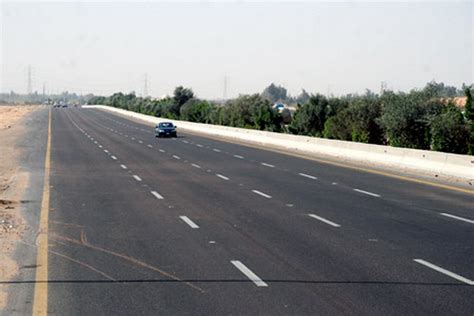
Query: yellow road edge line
{"x": 40, "y": 302}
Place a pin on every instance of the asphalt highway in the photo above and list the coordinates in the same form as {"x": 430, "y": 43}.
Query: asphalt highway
{"x": 145, "y": 226}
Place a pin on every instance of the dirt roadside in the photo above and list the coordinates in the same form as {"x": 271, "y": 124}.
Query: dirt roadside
{"x": 13, "y": 183}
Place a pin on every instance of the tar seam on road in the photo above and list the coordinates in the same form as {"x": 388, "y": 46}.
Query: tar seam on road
{"x": 40, "y": 301}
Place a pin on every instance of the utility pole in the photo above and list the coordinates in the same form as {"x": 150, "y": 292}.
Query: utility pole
{"x": 383, "y": 87}
{"x": 29, "y": 88}
{"x": 145, "y": 87}
{"x": 224, "y": 95}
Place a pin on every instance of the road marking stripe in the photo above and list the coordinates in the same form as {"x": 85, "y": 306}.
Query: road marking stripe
{"x": 366, "y": 192}
{"x": 123, "y": 166}
{"x": 185, "y": 141}
{"x": 157, "y": 195}
{"x": 262, "y": 194}
{"x": 113, "y": 157}
{"x": 133, "y": 138}
{"x": 176, "y": 157}
{"x": 308, "y": 176}
{"x": 199, "y": 145}
{"x": 100, "y": 146}
{"x": 106, "y": 151}
{"x": 216, "y": 150}
{"x": 150, "y": 146}
{"x": 137, "y": 177}
{"x": 444, "y": 271}
{"x": 238, "y": 156}
{"x": 249, "y": 274}
{"x": 40, "y": 299}
{"x": 189, "y": 222}
{"x": 458, "y": 218}
{"x": 324, "y": 220}
{"x": 196, "y": 166}
{"x": 140, "y": 141}
{"x": 222, "y": 177}
{"x": 161, "y": 150}
{"x": 267, "y": 165}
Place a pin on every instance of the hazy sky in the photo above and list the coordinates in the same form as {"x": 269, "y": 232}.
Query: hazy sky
{"x": 104, "y": 47}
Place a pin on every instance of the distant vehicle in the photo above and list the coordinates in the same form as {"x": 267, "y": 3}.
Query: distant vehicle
{"x": 165, "y": 129}
{"x": 279, "y": 107}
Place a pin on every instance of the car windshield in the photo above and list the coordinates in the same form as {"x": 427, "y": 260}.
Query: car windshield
{"x": 165, "y": 125}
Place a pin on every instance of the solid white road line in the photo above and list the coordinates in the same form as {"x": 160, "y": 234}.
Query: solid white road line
{"x": 444, "y": 271}
{"x": 249, "y": 274}
{"x": 307, "y": 176}
{"x": 113, "y": 157}
{"x": 137, "y": 177}
{"x": 123, "y": 166}
{"x": 189, "y": 222}
{"x": 458, "y": 218}
{"x": 324, "y": 220}
{"x": 196, "y": 166}
{"x": 267, "y": 165}
{"x": 262, "y": 194}
{"x": 216, "y": 150}
{"x": 176, "y": 157}
{"x": 366, "y": 192}
{"x": 238, "y": 156}
{"x": 222, "y": 177}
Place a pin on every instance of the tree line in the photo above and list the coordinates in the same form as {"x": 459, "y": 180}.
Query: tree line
{"x": 423, "y": 119}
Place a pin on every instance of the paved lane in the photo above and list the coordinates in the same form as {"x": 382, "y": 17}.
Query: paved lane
{"x": 197, "y": 225}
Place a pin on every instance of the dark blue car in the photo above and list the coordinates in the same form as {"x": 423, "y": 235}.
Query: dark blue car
{"x": 165, "y": 129}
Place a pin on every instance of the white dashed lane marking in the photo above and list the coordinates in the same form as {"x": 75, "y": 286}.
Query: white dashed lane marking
{"x": 157, "y": 195}
{"x": 137, "y": 177}
{"x": 319, "y": 218}
{"x": 262, "y": 194}
{"x": 307, "y": 176}
{"x": 367, "y": 193}
{"x": 444, "y": 271}
{"x": 189, "y": 222}
{"x": 249, "y": 274}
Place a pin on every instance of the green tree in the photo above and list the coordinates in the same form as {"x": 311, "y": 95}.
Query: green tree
{"x": 449, "y": 131}
{"x": 469, "y": 114}
{"x": 405, "y": 118}
{"x": 180, "y": 97}
{"x": 275, "y": 93}
{"x": 195, "y": 110}
{"x": 309, "y": 118}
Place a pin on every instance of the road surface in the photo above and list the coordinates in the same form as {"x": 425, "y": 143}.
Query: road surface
{"x": 140, "y": 225}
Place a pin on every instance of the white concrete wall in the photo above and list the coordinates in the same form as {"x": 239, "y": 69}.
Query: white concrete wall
{"x": 402, "y": 159}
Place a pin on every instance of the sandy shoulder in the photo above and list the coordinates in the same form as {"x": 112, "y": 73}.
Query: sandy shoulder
{"x": 13, "y": 183}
